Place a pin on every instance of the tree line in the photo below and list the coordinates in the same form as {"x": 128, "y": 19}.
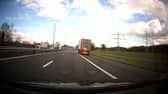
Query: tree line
{"x": 162, "y": 48}
{"x": 6, "y": 37}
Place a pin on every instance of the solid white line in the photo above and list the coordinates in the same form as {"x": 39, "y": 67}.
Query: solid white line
{"x": 27, "y": 55}
{"x": 105, "y": 72}
{"x": 48, "y": 63}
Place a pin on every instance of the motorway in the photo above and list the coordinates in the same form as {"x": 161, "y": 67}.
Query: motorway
{"x": 68, "y": 66}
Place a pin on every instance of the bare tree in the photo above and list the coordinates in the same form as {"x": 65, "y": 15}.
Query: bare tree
{"x": 5, "y": 27}
{"x": 6, "y": 32}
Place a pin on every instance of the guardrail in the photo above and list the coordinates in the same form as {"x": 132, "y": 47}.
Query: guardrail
{"x": 6, "y": 52}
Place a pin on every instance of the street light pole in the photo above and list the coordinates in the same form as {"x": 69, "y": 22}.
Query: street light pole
{"x": 54, "y": 31}
{"x": 152, "y": 40}
{"x": 146, "y": 36}
{"x": 54, "y": 36}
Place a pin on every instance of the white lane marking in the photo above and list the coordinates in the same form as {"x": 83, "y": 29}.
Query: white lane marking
{"x": 48, "y": 63}
{"x": 27, "y": 55}
{"x": 105, "y": 72}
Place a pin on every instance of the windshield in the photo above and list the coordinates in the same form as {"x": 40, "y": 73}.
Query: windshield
{"x": 83, "y": 41}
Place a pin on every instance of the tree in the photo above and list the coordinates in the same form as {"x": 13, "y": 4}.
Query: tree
{"x": 5, "y": 32}
{"x": 92, "y": 46}
{"x": 103, "y": 46}
{"x": 5, "y": 27}
{"x": 76, "y": 47}
{"x": 18, "y": 39}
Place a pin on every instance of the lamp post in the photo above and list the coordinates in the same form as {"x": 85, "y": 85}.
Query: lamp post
{"x": 54, "y": 36}
{"x": 152, "y": 37}
{"x": 54, "y": 32}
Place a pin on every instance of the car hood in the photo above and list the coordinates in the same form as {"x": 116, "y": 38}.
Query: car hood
{"x": 52, "y": 87}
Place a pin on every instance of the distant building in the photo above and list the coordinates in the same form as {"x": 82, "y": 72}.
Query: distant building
{"x": 42, "y": 45}
{"x": 37, "y": 45}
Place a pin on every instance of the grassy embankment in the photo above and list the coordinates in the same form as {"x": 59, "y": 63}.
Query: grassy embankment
{"x": 150, "y": 61}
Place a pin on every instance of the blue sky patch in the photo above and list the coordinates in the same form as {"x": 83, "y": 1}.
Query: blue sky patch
{"x": 64, "y": 2}
{"x": 106, "y": 3}
{"x": 77, "y": 12}
{"x": 144, "y": 18}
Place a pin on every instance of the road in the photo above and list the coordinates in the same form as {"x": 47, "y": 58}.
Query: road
{"x": 68, "y": 66}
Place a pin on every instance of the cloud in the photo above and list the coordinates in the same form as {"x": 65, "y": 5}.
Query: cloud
{"x": 124, "y": 9}
{"x": 93, "y": 9}
{"x": 149, "y": 7}
{"x": 155, "y": 25}
{"x": 153, "y": 29}
{"x": 21, "y": 37}
{"x": 165, "y": 2}
{"x": 141, "y": 28}
{"x": 162, "y": 40}
{"x": 95, "y": 13}
{"x": 99, "y": 33}
{"x": 156, "y": 8}
{"x": 50, "y": 8}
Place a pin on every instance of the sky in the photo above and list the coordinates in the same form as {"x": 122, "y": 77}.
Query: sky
{"x": 97, "y": 20}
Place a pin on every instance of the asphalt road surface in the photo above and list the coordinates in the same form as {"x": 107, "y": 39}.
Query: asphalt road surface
{"x": 68, "y": 66}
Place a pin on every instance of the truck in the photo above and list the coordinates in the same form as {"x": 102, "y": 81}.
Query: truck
{"x": 84, "y": 46}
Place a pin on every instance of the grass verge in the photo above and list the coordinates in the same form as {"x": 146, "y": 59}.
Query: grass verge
{"x": 18, "y": 52}
{"x": 148, "y": 61}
